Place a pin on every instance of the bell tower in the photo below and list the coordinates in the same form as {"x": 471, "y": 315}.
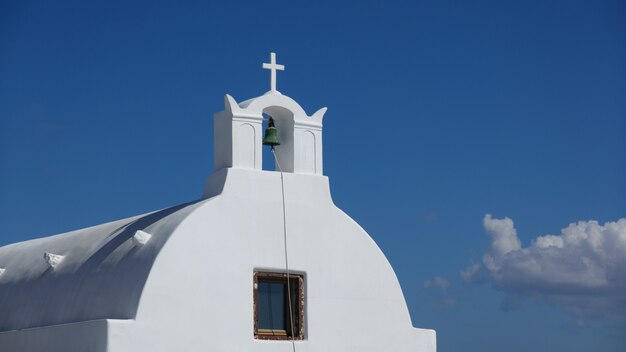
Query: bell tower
{"x": 238, "y": 132}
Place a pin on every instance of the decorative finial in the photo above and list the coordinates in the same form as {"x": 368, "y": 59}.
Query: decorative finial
{"x": 273, "y": 67}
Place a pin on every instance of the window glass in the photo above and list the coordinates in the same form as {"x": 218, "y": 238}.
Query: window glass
{"x": 271, "y": 306}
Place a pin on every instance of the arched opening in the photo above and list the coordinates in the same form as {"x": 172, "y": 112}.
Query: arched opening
{"x": 268, "y": 158}
{"x": 284, "y": 122}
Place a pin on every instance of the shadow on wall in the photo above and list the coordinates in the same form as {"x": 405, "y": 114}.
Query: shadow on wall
{"x": 108, "y": 284}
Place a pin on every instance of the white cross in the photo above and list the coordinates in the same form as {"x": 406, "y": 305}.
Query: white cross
{"x": 273, "y": 67}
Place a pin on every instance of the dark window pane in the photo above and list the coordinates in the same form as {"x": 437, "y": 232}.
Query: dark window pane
{"x": 293, "y": 285}
{"x": 271, "y": 305}
{"x": 272, "y": 308}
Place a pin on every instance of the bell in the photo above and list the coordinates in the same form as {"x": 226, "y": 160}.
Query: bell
{"x": 271, "y": 134}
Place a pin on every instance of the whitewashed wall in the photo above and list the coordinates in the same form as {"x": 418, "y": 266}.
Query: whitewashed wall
{"x": 199, "y": 295}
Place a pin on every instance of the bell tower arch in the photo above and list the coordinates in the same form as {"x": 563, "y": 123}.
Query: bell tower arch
{"x": 238, "y": 134}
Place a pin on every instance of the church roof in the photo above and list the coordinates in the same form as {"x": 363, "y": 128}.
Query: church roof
{"x": 93, "y": 273}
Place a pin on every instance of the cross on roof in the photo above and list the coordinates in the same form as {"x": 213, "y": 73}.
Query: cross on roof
{"x": 273, "y": 67}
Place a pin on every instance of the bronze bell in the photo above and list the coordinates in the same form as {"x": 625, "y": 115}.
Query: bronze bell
{"x": 271, "y": 134}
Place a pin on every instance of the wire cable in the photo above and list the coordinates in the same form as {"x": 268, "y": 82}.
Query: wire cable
{"x": 282, "y": 189}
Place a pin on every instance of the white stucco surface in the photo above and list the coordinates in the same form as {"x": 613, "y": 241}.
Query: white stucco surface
{"x": 101, "y": 275}
{"x": 88, "y": 336}
{"x": 181, "y": 279}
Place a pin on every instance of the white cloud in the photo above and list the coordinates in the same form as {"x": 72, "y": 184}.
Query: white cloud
{"x": 471, "y": 273}
{"x": 441, "y": 297}
{"x": 438, "y": 282}
{"x": 581, "y": 270}
{"x": 503, "y": 240}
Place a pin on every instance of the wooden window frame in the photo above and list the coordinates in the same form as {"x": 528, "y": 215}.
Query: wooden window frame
{"x": 298, "y": 314}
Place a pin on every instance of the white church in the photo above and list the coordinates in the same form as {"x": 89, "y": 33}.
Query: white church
{"x": 264, "y": 261}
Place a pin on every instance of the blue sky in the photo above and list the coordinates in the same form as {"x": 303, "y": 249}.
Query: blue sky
{"x": 440, "y": 112}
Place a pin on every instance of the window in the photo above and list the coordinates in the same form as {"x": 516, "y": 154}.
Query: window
{"x": 271, "y": 306}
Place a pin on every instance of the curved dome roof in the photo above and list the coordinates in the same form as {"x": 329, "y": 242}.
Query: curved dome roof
{"x": 101, "y": 276}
